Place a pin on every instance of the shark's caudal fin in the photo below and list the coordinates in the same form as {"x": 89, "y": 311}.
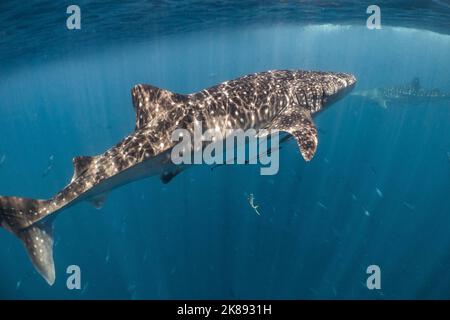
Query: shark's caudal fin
{"x": 38, "y": 240}
{"x": 25, "y": 218}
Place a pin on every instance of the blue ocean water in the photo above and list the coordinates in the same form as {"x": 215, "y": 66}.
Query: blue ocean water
{"x": 376, "y": 192}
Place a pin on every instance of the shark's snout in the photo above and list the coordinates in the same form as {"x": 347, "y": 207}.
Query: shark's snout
{"x": 345, "y": 82}
{"x": 339, "y": 86}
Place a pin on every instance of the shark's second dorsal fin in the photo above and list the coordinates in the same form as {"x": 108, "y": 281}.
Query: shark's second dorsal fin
{"x": 415, "y": 84}
{"x": 81, "y": 164}
{"x": 148, "y": 101}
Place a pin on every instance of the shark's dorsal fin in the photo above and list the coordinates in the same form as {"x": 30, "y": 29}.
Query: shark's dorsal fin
{"x": 148, "y": 101}
{"x": 415, "y": 84}
{"x": 299, "y": 124}
{"x": 81, "y": 164}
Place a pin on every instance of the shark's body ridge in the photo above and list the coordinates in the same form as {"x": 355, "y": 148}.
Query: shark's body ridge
{"x": 280, "y": 100}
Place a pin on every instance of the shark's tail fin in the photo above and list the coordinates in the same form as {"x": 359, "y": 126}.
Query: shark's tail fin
{"x": 26, "y": 218}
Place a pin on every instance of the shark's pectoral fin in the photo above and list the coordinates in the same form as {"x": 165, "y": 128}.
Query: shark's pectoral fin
{"x": 307, "y": 141}
{"x": 98, "y": 201}
{"x": 382, "y": 103}
{"x": 81, "y": 164}
{"x": 167, "y": 176}
{"x": 300, "y": 125}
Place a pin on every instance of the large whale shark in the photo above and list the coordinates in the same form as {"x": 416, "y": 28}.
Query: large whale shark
{"x": 279, "y": 100}
{"x": 410, "y": 93}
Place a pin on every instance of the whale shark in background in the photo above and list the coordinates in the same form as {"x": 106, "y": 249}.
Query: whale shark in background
{"x": 275, "y": 100}
{"x": 410, "y": 93}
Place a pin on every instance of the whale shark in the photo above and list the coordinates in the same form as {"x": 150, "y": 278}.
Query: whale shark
{"x": 410, "y": 93}
{"x": 279, "y": 100}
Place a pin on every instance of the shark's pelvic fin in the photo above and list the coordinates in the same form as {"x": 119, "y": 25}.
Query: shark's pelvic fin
{"x": 298, "y": 123}
{"x": 99, "y": 200}
{"x": 167, "y": 176}
{"x": 25, "y": 218}
{"x": 148, "y": 101}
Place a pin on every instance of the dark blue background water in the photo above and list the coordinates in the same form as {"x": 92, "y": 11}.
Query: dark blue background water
{"x": 321, "y": 224}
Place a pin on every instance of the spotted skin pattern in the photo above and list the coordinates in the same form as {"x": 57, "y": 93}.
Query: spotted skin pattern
{"x": 281, "y": 100}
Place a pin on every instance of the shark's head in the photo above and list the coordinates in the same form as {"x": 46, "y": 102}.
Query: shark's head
{"x": 318, "y": 90}
{"x": 336, "y": 87}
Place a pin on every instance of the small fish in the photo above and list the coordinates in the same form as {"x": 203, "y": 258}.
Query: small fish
{"x": 409, "y": 206}
{"x": 49, "y": 166}
{"x": 379, "y": 193}
{"x": 107, "y": 256}
{"x": 334, "y": 291}
{"x": 313, "y": 291}
{"x": 2, "y": 159}
{"x": 320, "y": 204}
{"x": 18, "y": 284}
{"x": 354, "y": 197}
{"x": 85, "y": 287}
{"x": 367, "y": 213}
{"x": 251, "y": 201}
